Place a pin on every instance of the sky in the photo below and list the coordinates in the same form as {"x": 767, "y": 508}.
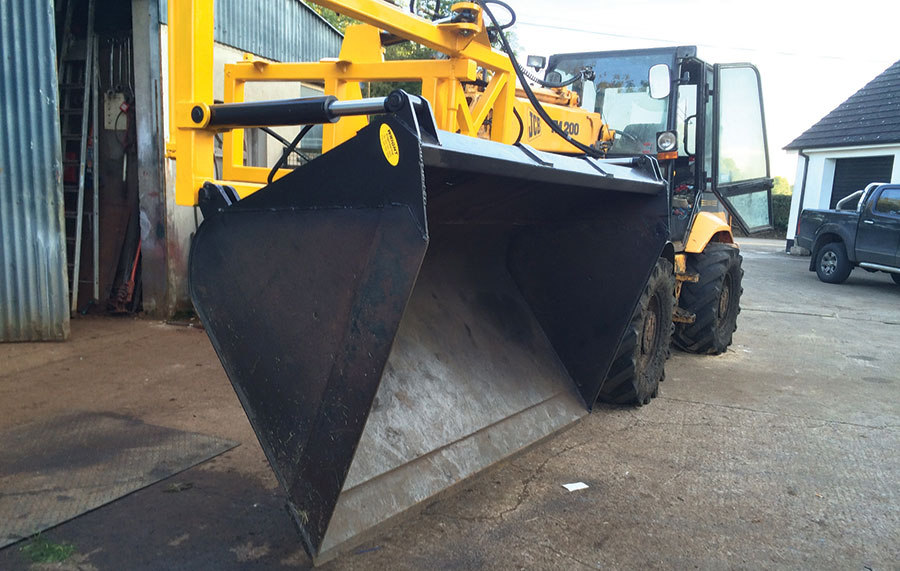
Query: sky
{"x": 811, "y": 55}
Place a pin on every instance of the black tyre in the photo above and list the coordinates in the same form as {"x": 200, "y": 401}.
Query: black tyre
{"x": 832, "y": 264}
{"x": 715, "y": 299}
{"x": 639, "y": 365}
{"x": 896, "y": 278}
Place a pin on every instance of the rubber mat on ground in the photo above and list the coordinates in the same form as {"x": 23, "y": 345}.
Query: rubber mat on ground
{"x": 52, "y": 471}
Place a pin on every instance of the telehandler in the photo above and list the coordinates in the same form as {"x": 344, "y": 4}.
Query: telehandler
{"x": 445, "y": 285}
{"x": 708, "y": 134}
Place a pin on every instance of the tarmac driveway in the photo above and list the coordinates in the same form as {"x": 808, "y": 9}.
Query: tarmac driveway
{"x": 780, "y": 453}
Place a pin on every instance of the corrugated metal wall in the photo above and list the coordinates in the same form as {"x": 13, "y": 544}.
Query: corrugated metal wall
{"x": 33, "y": 285}
{"x": 281, "y": 30}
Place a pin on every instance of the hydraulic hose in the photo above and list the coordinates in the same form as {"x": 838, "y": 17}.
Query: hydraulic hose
{"x": 505, "y": 6}
{"x": 292, "y": 147}
{"x": 539, "y": 109}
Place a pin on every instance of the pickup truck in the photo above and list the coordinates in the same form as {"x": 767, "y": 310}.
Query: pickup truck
{"x": 867, "y": 234}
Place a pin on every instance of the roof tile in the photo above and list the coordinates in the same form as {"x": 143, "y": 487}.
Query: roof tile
{"x": 869, "y": 116}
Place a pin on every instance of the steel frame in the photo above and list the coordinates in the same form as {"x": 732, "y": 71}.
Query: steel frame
{"x": 470, "y": 58}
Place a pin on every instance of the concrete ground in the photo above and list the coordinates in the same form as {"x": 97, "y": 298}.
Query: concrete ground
{"x": 781, "y": 453}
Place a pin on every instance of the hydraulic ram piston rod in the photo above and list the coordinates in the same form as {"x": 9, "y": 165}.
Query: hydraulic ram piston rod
{"x": 283, "y": 112}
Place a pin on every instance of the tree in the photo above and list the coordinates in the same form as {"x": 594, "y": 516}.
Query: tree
{"x": 428, "y": 9}
{"x": 339, "y": 21}
{"x": 782, "y": 187}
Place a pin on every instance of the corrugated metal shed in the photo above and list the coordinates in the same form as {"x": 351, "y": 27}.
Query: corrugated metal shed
{"x": 33, "y": 285}
{"x": 281, "y": 30}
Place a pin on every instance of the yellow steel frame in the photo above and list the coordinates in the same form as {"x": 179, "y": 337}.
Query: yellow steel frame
{"x": 470, "y": 57}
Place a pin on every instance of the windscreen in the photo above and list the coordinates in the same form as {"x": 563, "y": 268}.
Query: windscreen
{"x": 623, "y": 95}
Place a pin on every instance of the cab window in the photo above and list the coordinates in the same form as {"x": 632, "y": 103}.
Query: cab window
{"x": 742, "y": 149}
{"x": 889, "y": 202}
{"x": 686, "y": 124}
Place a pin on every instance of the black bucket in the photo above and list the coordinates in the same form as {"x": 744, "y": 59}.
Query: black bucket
{"x": 404, "y": 311}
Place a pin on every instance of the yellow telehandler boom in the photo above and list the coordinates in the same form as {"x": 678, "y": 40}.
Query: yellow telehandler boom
{"x": 495, "y": 109}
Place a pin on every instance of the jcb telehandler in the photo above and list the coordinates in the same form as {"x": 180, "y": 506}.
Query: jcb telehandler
{"x": 441, "y": 287}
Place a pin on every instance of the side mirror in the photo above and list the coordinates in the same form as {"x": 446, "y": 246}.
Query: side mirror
{"x": 588, "y": 96}
{"x": 660, "y": 81}
{"x": 537, "y": 62}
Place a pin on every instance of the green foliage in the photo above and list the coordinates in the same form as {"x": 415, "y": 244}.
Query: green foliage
{"x": 339, "y": 21}
{"x": 41, "y": 550}
{"x": 781, "y": 210}
{"x": 425, "y": 8}
{"x": 782, "y": 187}
{"x": 781, "y": 203}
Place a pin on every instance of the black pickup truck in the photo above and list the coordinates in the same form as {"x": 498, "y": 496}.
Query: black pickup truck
{"x": 865, "y": 235}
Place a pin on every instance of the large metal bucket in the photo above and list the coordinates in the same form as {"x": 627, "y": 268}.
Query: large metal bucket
{"x": 385, "y": 348}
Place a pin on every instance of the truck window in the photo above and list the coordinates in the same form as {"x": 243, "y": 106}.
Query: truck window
{"x": 889, "y": 202}
{"x": 686, "y": 122}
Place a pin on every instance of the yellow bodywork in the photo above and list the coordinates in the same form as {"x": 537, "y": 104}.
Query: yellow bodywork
{"x": 490, "y": 112}
{"x": 708, "y": 227}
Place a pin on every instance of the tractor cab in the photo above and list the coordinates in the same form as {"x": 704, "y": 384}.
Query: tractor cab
{"x": 706, "y": 128}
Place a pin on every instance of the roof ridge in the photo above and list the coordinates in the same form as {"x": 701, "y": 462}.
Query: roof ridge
{"x": 850, "y": 122}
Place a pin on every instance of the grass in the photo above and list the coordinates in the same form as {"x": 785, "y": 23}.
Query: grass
{"x": 42, "y": 550}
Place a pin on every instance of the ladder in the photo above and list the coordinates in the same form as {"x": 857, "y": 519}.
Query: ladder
{"x": 79, "y": 106}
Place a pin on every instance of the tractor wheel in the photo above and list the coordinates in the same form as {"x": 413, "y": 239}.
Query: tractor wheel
{"x": 639, "y": 365}
{"x": 715, "y": 300}
{"x": 832, "y": 264}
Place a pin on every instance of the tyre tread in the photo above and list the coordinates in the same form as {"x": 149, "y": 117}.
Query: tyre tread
{"x": 621, "y": 385}
{"x": 701, "y": 299}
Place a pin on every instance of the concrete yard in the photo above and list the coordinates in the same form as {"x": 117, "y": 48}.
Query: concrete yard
{"x": 782, "y": 453}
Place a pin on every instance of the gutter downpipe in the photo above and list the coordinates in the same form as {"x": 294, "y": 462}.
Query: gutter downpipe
{"x": 802, "y": 197}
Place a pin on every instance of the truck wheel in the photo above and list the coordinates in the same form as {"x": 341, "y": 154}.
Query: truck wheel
{"x": 715, "y": 299}
{"x": 639, "y": 365}
{"x": 832, "y": 264}
{"x": 896, "y": 278}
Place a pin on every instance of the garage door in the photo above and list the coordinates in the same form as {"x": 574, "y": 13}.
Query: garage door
{"x": 851, "y": 175}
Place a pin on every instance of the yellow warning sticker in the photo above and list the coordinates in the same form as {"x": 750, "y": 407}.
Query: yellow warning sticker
{"x": 389, "y": 145}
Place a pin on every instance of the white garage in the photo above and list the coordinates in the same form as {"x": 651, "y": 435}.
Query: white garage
{"x": 857, "y": 143}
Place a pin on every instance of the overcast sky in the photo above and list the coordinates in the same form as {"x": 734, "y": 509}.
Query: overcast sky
{"x": 811, "y": 55}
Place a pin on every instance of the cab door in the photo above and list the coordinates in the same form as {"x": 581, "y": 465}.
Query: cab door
{"x": 878, "y": 233}
{"x": 740, "y": 157}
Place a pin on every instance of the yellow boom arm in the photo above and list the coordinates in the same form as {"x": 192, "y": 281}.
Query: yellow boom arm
{"x": 490, "y": 112}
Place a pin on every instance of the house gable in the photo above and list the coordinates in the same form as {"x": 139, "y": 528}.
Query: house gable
{"x": 871, "y": 116}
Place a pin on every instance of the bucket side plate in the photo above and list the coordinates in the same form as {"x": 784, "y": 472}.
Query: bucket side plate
{"x": 301, "y": 288}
